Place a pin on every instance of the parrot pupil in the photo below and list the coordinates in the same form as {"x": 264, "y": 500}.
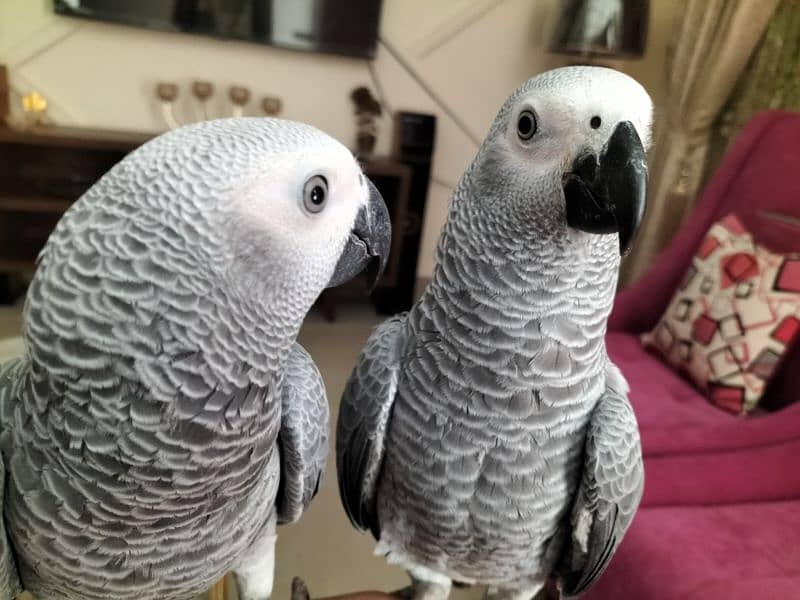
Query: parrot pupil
{"x": 314, "y": 193}
{"x": 595, "y": 122}
{"x": 526, "y": 125}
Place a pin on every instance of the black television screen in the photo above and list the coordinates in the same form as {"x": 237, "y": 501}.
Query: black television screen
{"x": 348, "y": 27}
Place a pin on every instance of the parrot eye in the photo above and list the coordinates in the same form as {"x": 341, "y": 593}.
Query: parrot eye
{"x": 526, "y": 125}
{"x": 595, "y": 122}
{"x": 315, "y": 194}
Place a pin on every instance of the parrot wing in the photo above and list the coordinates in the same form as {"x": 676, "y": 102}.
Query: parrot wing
{"x": 10, "y": 375}
{"x": 609, "y": 491}
{"x": 363, "y": 420}
{"x": 303, "y": 438}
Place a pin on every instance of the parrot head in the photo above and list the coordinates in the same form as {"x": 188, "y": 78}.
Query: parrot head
{"x": 310, "y": 208}
{"x": 282, "y": 209}
{"x": 567, "y": 151}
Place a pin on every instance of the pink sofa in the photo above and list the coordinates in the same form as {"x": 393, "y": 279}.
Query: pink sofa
{"x": 720, "y": 516}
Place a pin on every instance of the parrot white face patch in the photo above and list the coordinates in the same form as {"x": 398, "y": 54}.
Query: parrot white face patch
{"x": 574, "y": 110}
{"x": 299, "y": 208}
{"x": 556, "y": 128}
{"x": 311, "y": 196}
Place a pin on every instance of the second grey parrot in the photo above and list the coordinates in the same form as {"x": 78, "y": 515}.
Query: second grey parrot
{"x": 163, "y": 418}
{"x": 485, "y": 436}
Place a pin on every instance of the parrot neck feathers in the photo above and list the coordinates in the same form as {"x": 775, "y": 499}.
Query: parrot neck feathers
{"x": 517, "y": 313}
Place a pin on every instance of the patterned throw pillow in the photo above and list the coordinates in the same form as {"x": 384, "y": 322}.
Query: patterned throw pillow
{"x": 733, "y": 318}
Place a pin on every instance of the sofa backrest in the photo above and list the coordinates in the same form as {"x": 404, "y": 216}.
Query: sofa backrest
{"x": 759, "y": 180}
{"x": 763, "y": 189}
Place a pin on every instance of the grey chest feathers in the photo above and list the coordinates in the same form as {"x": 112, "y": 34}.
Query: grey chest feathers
{"x": 485, "y": 446}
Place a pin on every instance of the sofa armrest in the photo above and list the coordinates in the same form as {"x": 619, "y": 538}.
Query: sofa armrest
{"x": 731, "y": 434}
{"x": 760, "y": 474}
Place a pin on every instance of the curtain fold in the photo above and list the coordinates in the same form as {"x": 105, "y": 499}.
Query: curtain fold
{"x": 709, "y": 51}
{"x": 770, "y": 81}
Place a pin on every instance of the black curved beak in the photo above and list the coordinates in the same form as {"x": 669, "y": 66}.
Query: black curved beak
{"x": 609, "y": 195}
{"x": 369, "y": 243}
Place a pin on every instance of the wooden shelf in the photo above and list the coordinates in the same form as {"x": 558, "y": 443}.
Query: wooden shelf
{"x": 42, "y": 172}
{"x": 75, "y": 137}
{"x": 17, "y": 265}
{"x": 33, "y": 204}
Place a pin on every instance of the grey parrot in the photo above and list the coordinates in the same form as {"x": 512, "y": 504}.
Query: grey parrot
{"x": 163, "y": 417}
{"x": 485, "y": 437}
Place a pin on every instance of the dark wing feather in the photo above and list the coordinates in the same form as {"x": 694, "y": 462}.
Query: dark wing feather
{"x": 364, "y": 416}
{"x": 608, "y": 496}
{"x": 303, "y": 438}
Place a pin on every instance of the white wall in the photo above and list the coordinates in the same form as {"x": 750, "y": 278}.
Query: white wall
{"x": 465, "y": 54}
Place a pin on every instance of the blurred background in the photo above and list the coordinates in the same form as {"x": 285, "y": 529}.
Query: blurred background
{"x": 451, "y": 64}
{"x": 410, "y": 85}
{"x": 411, "y": 81}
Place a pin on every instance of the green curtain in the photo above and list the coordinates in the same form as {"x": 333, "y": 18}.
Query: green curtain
{"x": 771, "y": 79}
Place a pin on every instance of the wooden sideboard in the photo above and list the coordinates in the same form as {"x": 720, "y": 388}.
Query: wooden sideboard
{"x": 43, "y": 171}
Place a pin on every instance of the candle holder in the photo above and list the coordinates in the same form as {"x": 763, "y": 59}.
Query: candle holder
{"x": 239, "y": 97}
{"x": 271, "y": 105}
{"x": 203, "y": 91}
{"x": 168, "y": 93}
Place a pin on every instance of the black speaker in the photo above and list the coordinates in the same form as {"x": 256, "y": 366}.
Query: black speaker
{"x": 414, "y": 138}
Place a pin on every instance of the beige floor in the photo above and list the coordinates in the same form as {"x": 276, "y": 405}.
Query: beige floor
{"x": 322, "y": 548}
{"x": 10, "y": 328}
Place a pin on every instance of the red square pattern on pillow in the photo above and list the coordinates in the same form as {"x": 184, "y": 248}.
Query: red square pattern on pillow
{"x": 734, "y": 317}
{"x": 789, "y": 276}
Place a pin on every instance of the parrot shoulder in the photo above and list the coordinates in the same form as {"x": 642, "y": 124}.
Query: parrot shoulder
{"x": 303, "y": 437}
{"x": 608, "y": 493}
{"x": 364, "y": 417}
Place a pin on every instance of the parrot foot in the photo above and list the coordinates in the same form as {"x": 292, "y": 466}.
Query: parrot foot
{"x": 254, "y": 574}
{"x": 526, "y": 592}
{"x": 425, "y": 589}
{"x": 406, "y": 593}
{"x": 299, "y": 590}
